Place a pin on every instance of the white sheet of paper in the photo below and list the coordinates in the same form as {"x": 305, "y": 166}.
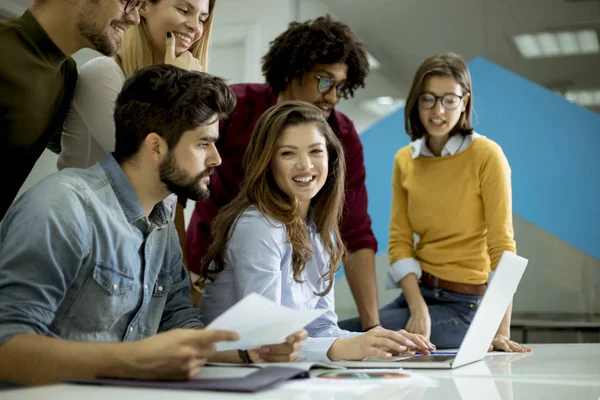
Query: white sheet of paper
{"x": 260, "y": 321}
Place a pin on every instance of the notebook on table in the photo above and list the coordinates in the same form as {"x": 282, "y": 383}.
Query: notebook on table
{"x": 263, "y": 378}
{"x": 304, "y": 366}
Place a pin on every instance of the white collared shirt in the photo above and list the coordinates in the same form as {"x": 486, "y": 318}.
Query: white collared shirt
{"x": 258, "y": 258}
{"x": 454, "y": 145}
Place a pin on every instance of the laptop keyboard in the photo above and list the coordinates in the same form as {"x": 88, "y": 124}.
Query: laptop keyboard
{"x": 430, "y": 358}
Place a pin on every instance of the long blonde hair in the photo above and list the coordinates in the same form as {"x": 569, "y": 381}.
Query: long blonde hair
{"x": 137, "y": 50}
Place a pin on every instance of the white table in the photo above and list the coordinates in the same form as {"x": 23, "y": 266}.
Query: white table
{"x": 551, "y": 372}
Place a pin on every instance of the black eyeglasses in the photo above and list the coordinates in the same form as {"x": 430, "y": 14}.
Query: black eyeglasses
{"x": 449, "y": 101}
{"x": 131, "y": 5}
{"x": 325, "y": 84}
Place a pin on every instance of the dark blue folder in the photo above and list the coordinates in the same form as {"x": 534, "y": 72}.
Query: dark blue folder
{"x": 254, "y": 382}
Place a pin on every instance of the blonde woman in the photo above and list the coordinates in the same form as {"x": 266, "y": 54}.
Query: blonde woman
{"x": 170, "y": 31}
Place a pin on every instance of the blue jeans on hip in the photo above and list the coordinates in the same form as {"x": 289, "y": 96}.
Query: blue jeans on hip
{"x": 451, "y": 314}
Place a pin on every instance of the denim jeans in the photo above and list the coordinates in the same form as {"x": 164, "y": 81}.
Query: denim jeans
{"x": 451, "y": 314}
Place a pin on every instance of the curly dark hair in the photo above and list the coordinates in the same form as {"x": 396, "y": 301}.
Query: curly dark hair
{"x": 319, "y": 41}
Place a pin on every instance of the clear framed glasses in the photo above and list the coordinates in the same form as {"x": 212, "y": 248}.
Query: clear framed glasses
{"x": 449, "y": 101}
{"x": 325, "y": 84}
{"x": 131, "y": 5}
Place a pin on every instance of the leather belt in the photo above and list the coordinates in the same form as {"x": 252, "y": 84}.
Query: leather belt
{"x": 463, "y": 288}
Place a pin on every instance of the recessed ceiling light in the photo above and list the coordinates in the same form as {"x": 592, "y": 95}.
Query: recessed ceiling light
{"x": 568, "y": 42}
{"x": 385, "y": 101}
{"x": 382, "y": 106}
{"x": 588, "y": 40}
{"x": 584, "y": 98}
{"x": 554, "y": 44}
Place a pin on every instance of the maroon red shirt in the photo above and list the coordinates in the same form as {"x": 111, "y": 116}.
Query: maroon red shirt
{"x": 252, "y": 101}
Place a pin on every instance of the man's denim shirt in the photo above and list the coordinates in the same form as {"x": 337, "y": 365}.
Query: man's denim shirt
{"x": 80, "y": 260}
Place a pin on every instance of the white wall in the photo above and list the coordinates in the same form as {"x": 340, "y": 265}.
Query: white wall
{"x": 242, "y": 31}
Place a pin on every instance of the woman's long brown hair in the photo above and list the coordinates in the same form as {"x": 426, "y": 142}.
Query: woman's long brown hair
{"x": 259, "y": 189}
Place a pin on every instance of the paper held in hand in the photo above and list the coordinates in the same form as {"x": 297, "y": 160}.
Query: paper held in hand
{"x": 260, "y": 321}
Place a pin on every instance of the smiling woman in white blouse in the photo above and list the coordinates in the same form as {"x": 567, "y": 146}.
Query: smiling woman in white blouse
{"x": 280, "y": 236}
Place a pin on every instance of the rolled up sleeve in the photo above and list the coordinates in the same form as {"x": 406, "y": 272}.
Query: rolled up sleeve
{"x": 400, "y": 269}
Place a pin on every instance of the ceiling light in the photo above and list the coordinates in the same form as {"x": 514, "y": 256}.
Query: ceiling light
{"x": 553, "y": 44}
{"x": 584, "y": 98}
{"x": 382, "y": 106}
{"x": 588, "y": 40}
{"x": 373, "y": 63}
{"x": 385, "y": 101}
{"x": 549, "y": 44}
{"x": 528, "y": 46}
{"x": 568, "y": 42}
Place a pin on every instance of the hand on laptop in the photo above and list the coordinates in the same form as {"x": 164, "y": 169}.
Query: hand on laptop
{"x": 422, "y": 344}
{"x": 419, "y": 322}
{"x": 503, "y": 343}
{"x": 377, "y": 342}
{"x": 284, "y": 352}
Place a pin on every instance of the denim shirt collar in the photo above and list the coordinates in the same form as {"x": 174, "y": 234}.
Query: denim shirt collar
{"x": 127, "y": 197}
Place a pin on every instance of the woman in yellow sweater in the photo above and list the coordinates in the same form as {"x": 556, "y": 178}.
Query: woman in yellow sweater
{"x": 452, "y": 197}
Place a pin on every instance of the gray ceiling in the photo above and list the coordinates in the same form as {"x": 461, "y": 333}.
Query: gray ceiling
{"x": 402, "y": 33}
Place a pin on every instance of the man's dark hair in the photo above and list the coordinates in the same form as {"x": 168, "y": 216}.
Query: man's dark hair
{"x": 168, "y": 101}
{"x": 319, "y": 41}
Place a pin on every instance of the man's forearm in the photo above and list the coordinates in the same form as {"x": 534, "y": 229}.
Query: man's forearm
{"x": 504, "y": 328}
{"x": 360, "y": 272}
{"x": 32, "y": 359}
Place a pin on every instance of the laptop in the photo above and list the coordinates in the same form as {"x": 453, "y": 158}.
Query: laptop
{"x": 480, "y": 334}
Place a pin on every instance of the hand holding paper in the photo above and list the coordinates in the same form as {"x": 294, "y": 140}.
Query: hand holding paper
{"x": 260, "y": 322}
{"x": 287, "y": 352}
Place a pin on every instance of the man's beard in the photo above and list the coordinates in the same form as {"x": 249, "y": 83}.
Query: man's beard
{"x": 97, "y": 36}
{"x": 180, "y": 182}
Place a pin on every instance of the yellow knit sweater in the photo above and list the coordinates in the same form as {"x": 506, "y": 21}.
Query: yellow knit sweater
{"x": 461, "y": 208}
